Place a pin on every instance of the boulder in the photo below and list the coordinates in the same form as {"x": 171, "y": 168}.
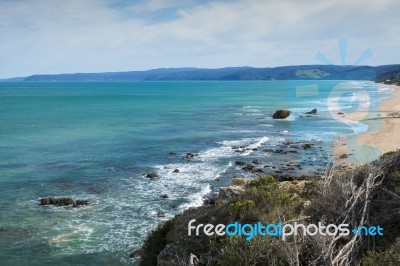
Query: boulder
{"x": 312, "y": 112}
{"x": 240, "y": 163}
{"x": 151, "y": 175}
{"x": 281, "y": 114}
{"x": 165, "y": 196}
{"x": 227, "y": 193}
{"x": 255, "y": 161}
{"x": 175, "y": 171}
{"x": 160, "y": 214}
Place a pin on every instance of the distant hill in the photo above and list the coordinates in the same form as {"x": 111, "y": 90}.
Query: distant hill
{"x": 386, "y": 73}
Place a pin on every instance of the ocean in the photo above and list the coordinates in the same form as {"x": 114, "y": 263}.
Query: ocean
{"x": 97, "y": 141}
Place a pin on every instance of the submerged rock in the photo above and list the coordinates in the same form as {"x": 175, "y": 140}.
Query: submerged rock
{"x": 240, "y": 163}
{"x": 165, "y": 196}
{"x": 281, "y": 114}
{"x": 2, "y": 229}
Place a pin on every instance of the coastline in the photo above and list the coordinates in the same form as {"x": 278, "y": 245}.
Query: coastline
{"x": 382, "y": 135}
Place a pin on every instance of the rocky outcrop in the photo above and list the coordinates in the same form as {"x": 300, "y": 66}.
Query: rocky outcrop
{"x": 62, "y": 202}
{"x": 281, "y": 114}
{"x": 227, "y": 193}
{"x": 240, "y": 181}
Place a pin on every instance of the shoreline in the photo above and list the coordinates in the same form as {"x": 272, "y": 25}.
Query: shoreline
{"x": 382, "y": 135}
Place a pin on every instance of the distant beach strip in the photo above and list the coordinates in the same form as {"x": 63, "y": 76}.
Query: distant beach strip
{"x": 383, "y": 133}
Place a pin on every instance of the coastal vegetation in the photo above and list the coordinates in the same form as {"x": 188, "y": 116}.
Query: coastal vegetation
{"x": 364, "y": 195}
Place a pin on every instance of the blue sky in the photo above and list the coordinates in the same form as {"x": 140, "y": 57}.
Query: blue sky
{"x": 60, "y": 36}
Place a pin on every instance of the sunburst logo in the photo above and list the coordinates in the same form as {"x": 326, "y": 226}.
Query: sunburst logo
{"x": 350, "y": 97}
{"x": 343, "y": 44}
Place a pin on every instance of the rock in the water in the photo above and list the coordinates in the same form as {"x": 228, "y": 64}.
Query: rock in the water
{"x": 249, "y": 168}
{"x": 151, "y": 175}
{"x": 2, "y": 229}
{"x": 240, "y": 163}
{"x": 340, "y": 113}
{"x": 281, "y": 114}
{"x": 190, "y": 155}
{"x": 307, "y": 146}
{"x": 81, "y": 202}
{"x": 62, "y": 202}
{"x": 175, "y": 171}
{"x": 45, "y": 201}
{"x": 343, "y": 156}
{"x": 312, "y": 112}
{"x": 165, "y": 196}
{"x": 255, "y": 161}
{"x": 172, "y": 153}
{"x": 160, "y": 214}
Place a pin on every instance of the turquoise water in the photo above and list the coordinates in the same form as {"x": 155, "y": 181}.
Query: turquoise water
{"x": 96, "y": 140}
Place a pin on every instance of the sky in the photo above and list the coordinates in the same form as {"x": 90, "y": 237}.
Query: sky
{"x": 70, "y": 36}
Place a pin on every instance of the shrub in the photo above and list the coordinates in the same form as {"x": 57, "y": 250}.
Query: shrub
{"x": 387, "y": 258}
{"x": 155, "y": 243}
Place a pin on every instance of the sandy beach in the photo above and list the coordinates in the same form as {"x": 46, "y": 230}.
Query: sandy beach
{"x": 383, "y": 133}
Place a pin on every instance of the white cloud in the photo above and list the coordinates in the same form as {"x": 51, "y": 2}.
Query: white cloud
{"x": 58, "y": 36}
